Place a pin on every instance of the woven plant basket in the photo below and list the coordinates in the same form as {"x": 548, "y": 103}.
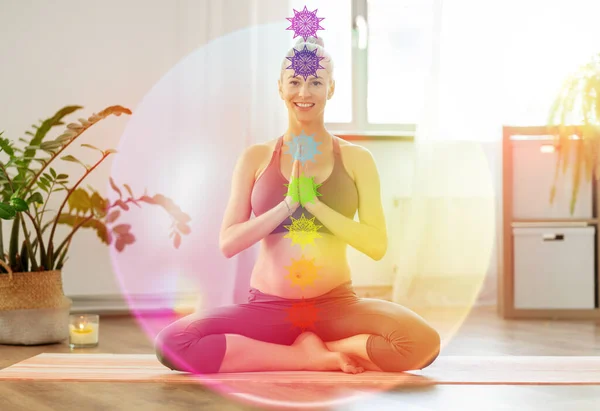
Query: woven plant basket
{"x": 33, "y": 308}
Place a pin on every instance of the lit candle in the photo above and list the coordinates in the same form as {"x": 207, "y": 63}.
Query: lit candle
{"x": 83, "y": 330}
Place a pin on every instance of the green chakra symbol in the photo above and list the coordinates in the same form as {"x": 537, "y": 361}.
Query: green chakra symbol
{"x": 308, "y": 189}
{"x": 303, "y": 189}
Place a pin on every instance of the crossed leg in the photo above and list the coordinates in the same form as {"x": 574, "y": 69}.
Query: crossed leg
{"x": 377, "y": 335}
{"x": 245, "y": 337}
{"x": 383, "y": 335}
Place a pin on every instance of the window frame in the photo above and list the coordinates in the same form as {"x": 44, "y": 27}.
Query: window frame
{"x": 360, "y": 128}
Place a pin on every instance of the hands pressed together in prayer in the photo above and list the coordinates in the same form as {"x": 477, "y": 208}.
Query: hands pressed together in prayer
{"x": 301, "y": 187}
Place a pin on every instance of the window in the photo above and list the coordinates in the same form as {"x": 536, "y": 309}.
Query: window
{"x": 547, "y": 42}
{"x": 382, "y": 53}
{"x": 397, "y": 59}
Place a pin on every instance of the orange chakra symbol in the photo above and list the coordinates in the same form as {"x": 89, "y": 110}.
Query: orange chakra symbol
{"x": 302, "y": 272}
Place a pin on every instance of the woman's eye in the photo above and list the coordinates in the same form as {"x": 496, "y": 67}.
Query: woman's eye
{"x": 316, "y": 83}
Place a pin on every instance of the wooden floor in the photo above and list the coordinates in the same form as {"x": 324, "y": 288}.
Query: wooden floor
{"x": 481, "y": 333}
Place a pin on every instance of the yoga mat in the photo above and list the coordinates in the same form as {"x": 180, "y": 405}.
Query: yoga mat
{"x": 538, "y": 370}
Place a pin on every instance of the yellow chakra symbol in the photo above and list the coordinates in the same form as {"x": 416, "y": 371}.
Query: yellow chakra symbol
{"x": 303, "y": 231}
{"x": 303, "y": 272}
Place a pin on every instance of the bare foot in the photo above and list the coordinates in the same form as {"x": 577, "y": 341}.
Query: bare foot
{"x": 319, "y": 358}
{"x": 366, "y": 365}
{"x": 361, "y": 362}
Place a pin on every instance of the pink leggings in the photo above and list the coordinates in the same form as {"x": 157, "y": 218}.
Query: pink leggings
{"x": 400, "y": 339}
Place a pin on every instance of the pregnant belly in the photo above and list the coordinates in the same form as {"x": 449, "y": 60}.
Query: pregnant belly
{"x": 289, "y": 271}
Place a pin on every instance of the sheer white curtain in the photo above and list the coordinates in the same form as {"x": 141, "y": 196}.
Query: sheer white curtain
{"x": 219, "y": 99}
{"x": 449, "y": 240}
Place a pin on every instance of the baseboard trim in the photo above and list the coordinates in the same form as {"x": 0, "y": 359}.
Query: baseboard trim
{"x": 187, "y": 302}
{"x": 146, "y": 303}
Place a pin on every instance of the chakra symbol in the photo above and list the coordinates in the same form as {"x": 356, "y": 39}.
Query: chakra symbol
{"x": 293, "y": 189}
{"x": 305, "y": 62}
{"x": 303, "y": 231}
{"x": 303, "y": 272}
{"x": 308, "y": 189}
{"x": 305, "y": 23}
{"x": 303, "y": 314}
{"x": 303, "y": 189}
{"x": 305, "y": 145}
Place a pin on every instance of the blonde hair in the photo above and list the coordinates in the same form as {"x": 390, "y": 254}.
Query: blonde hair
{"x": 311, "y": 44}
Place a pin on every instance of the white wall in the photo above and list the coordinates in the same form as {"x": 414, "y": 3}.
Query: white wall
{"x": 114, "y": 52}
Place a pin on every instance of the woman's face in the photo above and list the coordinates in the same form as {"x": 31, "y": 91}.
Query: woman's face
{"x": 306, "y": 99}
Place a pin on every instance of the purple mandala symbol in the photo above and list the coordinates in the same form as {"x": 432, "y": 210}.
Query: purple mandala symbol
{"x": 305, "y": 63}
{"x": 305, "y": 23}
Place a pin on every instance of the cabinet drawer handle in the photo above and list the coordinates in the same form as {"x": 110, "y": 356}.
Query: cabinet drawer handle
{"x": 554, "y": 237}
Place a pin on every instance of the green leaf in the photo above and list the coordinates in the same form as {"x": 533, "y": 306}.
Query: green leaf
{"x": 62, "y": 176}
{"x": 5, "y": 145}
{"x": 7, "y": 212}
{"x": 48, "y": 145}
{"x": 92, "y": 147}
{"x": 36, "y": 197}
{"x": 19, "y": 204}
{"x": 70, "y": 158}
{"x": 79, "y": 200}
{"x": 99, "y": 204}
{"x": 73, "y": 159}
{"x": 101, "y": 230}
{"x": 51, "y": 122}
{"x": 42, "y": 186}
{"x": 65, "y": 137}
{"x": 74, "y": 126}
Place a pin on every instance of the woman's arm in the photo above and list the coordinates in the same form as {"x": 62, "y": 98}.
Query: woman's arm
{"x": 368, "y": 236}
{"x": 238, "y": 231}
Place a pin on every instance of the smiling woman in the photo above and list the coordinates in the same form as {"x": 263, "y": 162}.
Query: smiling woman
{"x": 313, "y": 98}
{"x": 347, "y": 333}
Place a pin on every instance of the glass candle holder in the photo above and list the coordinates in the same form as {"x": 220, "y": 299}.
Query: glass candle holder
{"x": 83, "y": 330}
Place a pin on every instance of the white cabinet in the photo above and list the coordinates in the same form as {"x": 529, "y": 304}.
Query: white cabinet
{"x": 554, "y": 267}
{"x": 534, "y": 165}
{"x": 550, "y": 256}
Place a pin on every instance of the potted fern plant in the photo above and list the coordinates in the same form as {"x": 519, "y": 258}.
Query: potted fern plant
{"x": 33, "y": 307}
{"x": 576, "y": 111}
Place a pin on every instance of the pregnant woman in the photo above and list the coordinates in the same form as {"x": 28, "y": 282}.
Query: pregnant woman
{"x": 302, "y": 312}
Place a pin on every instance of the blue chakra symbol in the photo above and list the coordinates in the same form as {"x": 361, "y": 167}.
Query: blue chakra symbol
{"x": 305, "y": 63}
{"x": 305, "y": 145}
{"x": 305, "y": 23}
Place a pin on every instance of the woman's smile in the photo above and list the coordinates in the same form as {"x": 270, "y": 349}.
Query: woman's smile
{"x": 304, "y": 106}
